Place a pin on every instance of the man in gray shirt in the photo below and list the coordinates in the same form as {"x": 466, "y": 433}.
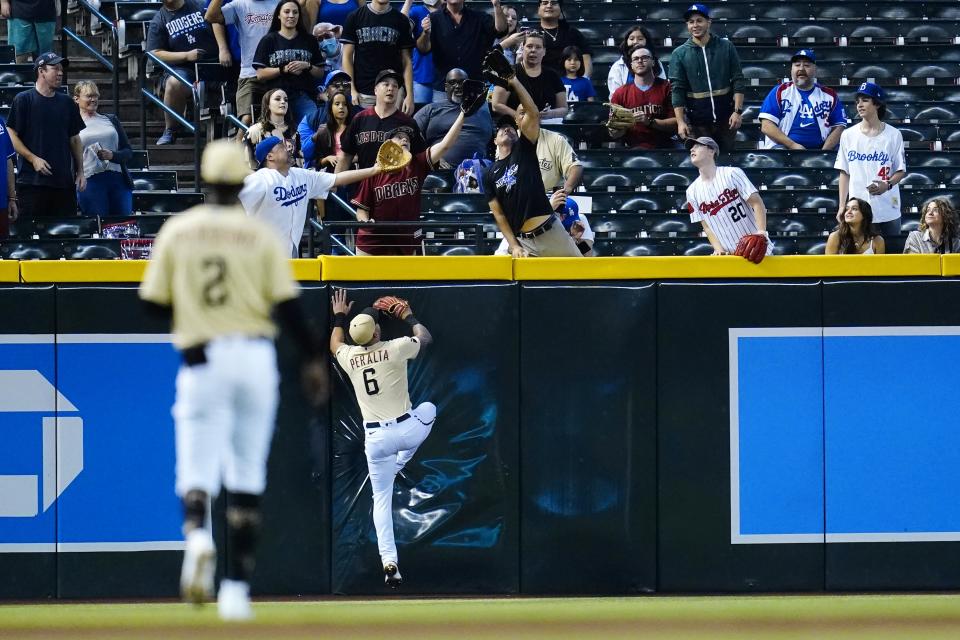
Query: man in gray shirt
{"x": 437, "y": 118}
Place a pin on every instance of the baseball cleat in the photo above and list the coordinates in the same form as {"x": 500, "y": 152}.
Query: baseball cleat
{"x": 233, "y": 601}
{"x": 199, "y": 565}
{"x": 391, "y": 575}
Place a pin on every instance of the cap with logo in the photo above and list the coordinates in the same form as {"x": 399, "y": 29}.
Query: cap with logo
{"x": 704, "y": 140}
{"x": 49, "y": 58}
{"x": 265, "y": 147}
{"x": 333, "y": 75}
{"x": 872, "y": 90}
{"x": 804, "y": 53}
{"x": 224, "y": 162}
{"x": 697, "y": 8}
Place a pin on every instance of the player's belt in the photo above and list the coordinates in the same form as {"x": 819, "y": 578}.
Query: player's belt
{"x": 709, "y": 94}
{"x": 386, "y": 423}
{"x": 539, "y": 231}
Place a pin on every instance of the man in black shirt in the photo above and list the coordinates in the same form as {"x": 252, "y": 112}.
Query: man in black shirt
{"x": 179, "y": 36}
{"x": 543, "y": 85}
{"x": 515, "y": 189}
{"x": 458, "y": 37}
{"x": 377, "y": 37}
{"x": 44, "y": 126}
{"x": 558, "y": 35}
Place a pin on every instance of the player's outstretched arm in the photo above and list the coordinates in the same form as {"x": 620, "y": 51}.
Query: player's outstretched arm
{"x": 340, "y": 308}
{"x": 420, "y": 332}
{"x": 356, "y": 175}
{"x": 530, "y": 125}
{"x": 438, "y": 150}
{"x": 759, "y": 211}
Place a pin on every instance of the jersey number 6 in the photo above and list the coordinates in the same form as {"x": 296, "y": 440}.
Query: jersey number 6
{"x": 370, "y": 382}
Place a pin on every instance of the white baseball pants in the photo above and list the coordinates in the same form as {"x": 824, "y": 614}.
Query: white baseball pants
{"x": 389, "y": 447}
{"x": 224, "y": 416}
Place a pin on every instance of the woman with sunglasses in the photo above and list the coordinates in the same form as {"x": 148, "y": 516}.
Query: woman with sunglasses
{"x": 558, "y": 35}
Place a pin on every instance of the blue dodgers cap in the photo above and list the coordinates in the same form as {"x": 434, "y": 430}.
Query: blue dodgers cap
{"x": 49, "y": 58}
{"x": 872, "y": 90}
{"x": 570, "y": 213}
{"x": 335, "y": 74}
{"x": 697, "y": 8}
{"x": 265, "y": 147}
{"x": 805, "y": 53}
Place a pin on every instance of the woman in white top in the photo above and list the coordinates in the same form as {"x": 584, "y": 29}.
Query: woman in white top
{"x": 106, "y": 151}
{"x": 871, "y": 161}
{"x": 938, "y": 231}
{"x": 620, "y": 73}
{"x": 855, "y": 234}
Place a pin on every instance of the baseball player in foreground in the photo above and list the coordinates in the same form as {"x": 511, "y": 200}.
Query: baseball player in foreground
{"x": 726, "y": 203}
{"x": 219, "y": 275}
{"x": 393, "y": 430}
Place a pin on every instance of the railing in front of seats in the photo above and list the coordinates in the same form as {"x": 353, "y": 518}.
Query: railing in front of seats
{"x": 328, "y": 240}
{"x": 113, "y": 65}
{"x": 193, "y": 127}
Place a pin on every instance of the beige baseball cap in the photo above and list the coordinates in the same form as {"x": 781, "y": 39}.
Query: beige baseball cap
{"x": 224, "y": 162}
{"x": 362, "y": 328}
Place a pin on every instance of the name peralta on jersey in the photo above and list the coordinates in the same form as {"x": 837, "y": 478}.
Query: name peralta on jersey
{"x": 378, "y": 373}
{"x": 722, "y": 204}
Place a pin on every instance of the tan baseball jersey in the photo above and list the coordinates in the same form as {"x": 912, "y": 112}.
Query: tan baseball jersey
{"x": 556, "y": 156}
{"x": 379, "y": 376}
{"x": 222, "y": 271}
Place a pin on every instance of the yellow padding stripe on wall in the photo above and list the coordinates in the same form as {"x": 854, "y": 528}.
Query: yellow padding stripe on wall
{"x": 950, "y": 265}
{"x": 708, "y": 267}
{"x": 306, "y": 269}
{"x": 82, "y": 270}
{"x": 9, "y": 271}
{"x": 381, "y": 269}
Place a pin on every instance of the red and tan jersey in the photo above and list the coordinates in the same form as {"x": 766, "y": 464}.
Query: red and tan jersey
{"x": 722, "y": 204}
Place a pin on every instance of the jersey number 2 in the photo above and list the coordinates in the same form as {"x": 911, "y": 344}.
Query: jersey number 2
{"x": 215, "y": 273}
{"x": 370, "y": 382}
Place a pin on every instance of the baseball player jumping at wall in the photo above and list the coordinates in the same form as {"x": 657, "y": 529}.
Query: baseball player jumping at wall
{"x": 726, "y": 203}
{"x": 219, "y": 274}
{"x": 392, "y": 429}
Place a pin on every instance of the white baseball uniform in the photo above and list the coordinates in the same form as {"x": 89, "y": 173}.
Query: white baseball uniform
{"x": 869, "y": 158}
{"x": 222, "y": 273}
{"x": 393, "y": 431}
{"x": 722, "y": 204}
{"x": 282, "y": 200}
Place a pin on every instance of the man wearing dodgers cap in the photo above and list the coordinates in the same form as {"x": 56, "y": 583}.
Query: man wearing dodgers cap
{"x": 279, "y": 193}
{"x": 872, "y": 161}
{"x": 802, "y": 114}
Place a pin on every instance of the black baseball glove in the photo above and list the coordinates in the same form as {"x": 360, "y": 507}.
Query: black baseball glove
{"x": 497, "y": 69}
{"x": 474, "y": 97}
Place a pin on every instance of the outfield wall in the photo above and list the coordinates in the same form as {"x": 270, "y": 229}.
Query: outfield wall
{"x": 606, "y": 426}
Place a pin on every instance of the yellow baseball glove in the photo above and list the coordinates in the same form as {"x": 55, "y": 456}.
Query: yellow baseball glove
{"x": 392, "y": 157}
{"x": 620, "y": 117}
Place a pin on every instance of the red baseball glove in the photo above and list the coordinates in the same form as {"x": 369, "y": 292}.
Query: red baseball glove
{"x": 753, "y": 247}
{"x": 396, "y": 307}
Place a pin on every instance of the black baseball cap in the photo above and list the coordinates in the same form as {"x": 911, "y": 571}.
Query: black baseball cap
{"x": 389, "y": 73}
{"x": 505, "y": 121}
{"x": 49, "y": 58}
{"x": 402, "y": 130}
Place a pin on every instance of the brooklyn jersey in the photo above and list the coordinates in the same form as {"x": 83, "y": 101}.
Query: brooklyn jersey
{"x": 722, "y": 204}
{"x": 378, "y": 373}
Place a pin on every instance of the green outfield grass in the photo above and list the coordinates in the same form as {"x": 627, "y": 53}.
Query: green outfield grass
{"x": 715, "y": 617}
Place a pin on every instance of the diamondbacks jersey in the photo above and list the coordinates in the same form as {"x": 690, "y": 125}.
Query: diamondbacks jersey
{"x": 722, "y": 204}
{"x": 281, "y": 200}
{"x": 378, "y": 373}
{"x": 367, "y": 131}
{"x": 223, "y": 273}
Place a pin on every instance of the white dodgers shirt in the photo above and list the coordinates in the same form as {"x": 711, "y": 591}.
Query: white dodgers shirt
{"x": 722, "y": 204}
{"x": 866, "y": 159}
{"x": 282, "y": 200}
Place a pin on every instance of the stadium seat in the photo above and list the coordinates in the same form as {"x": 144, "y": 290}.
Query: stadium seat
{"x": 71, "y": 227}
{"x": 99, "y": 249}
{"x": 31, "y": 249}
{"x": 147, "y": 180}
{"x": 160, "y": 202}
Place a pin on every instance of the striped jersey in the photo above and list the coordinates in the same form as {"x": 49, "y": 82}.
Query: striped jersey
{"x": 722, "y": 204}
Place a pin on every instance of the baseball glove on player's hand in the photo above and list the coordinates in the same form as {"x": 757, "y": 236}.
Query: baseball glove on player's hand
{"x": 620, "y": 117}
{"x": 497, "y": 69}
{"x": 474, "y": 97}
{"x": 396, "y": 307}
{"x": 752, "y": 247}
{"x": 392, "y": 157}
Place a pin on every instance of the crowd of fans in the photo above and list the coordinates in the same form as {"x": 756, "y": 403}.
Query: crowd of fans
{"x": 332, "y": 80}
